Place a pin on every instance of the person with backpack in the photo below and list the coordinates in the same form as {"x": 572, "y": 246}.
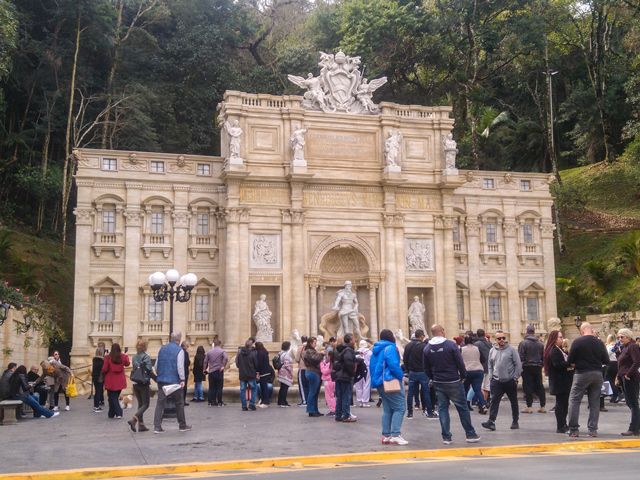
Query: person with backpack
{"x": 283, "y": 364}
{"x": 362, "y": 379}
{"x": 343, "y": 373}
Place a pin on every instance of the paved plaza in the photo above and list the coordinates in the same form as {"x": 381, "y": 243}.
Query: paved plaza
{"x": 81, "y": 439}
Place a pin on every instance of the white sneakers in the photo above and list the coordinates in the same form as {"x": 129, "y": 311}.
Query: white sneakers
{"x": 55, "y": 414}
{"x": 55, "y": 409}
{"x": 397, "y": 441}
{"x": 67, "y": 408}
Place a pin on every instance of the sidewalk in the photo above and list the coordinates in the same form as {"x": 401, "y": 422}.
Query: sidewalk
{"x": 80, "y": 438}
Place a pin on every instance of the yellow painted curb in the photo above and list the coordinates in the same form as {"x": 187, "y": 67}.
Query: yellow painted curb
{"x": 340, "y": 458}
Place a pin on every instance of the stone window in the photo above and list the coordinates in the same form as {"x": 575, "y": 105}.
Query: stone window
{"x": 491, "y": 230}
{"x": 157, "y": 228}
{"x": 529, "y": 247}
{"x": 488, "y": 183}
{"x": 456, "y": 232}
{"x": 157, "y": 221}
{"x": 527, "y": 233}
{"x": 204, "y": 169}
{"x": 525, "y": 185}
{"x": 532, "y": 306}
{"x": 533, "y": 316}
{"x": 202, "y": 225}
{"x": 494, "y": 308}
{"x": 110, "y": 164}
{"x": 494, "y": 298}
{"x": 108, "y": 225}
{"x": 109, "y": 220}
{"x": 155, "y": 311}
{"x": 202, "y": 308}
{"x": 460, "y": 305}
{"x": 105, "y": 308}
{"x": 156, "y": 166}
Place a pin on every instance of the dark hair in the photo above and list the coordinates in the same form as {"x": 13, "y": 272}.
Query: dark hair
{"x": 311, "y": 340}
{"x": 468, "y": 340}
{"x": 480, "y": 333}
{"x": 14, "y": 379}
{"x": 260, "y": 347}
{"x": 347, "y": 338}
{"x": 12, "y": 365}
{"x": 332, "y": 339}
{"x": 20, "y": 370}
{"x": 387, "y": 335}
{"x": 419, "y": 333}
{"x": 548, "y": 348}
{"x": 115, "y": 353}
{"x": 199, "y": 353}
{"x": 304, "y": 338}
{"x": 285, "y": 346}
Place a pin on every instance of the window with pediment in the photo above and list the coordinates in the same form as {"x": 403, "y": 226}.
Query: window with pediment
{"x": 491, "y": 237}
{"x": 494, "y": 298}
{"x": 529, "y": 240}
{"x": 108, "y": 225}
{"x": 203, "y": 311}
{"x": 462, "y": 307}
{"x": 532, "y": 303}
{"x": 203, "y": 229}
{"x": 107, "y": 309}
{"x": 157, "y": 227}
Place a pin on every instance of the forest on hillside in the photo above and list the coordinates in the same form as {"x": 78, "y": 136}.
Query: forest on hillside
{"x": 148, "y": 75}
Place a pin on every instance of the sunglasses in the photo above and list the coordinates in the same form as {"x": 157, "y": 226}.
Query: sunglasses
{"x": 501, "y": 338}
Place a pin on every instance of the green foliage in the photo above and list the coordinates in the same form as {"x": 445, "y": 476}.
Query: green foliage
{"x": 629, "y": 245}
{"x": 8, "y": 37}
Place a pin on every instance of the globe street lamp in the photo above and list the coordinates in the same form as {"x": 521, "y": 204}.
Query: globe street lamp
{"x": 171, "y": 286}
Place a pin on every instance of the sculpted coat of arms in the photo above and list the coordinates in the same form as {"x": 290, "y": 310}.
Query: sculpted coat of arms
{"x": 340, "y": 86}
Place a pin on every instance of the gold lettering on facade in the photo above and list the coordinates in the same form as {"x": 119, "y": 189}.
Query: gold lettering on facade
{"x": 412, "y": 201}
{"x": 277, "y": 196}
{"x": 342, "y": 199}
{"x": 345, "y": 146}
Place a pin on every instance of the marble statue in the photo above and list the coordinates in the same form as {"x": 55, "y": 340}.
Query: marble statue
{"x": 346, "y": 304}
{"x": 554, "y": 323}
{"x": 392, "y": 149}
{"x": 297, "y": 145}
{"x": 296, "y": 342}
{"x": 339, "y": 87}
{"x": 235, "y": 134}
{"x": 262, "y": 319}
{"x": 450, "y": 151}
{"x": 416, "y": 316}
{"x": 401, "y": 340}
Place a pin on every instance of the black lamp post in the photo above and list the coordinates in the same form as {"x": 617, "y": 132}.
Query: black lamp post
{"x": 578, "y": 321}
{"x": 4, "y": 312}
{"x": 172, "y": 287}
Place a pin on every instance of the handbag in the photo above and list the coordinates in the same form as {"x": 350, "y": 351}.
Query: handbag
{"x": 390, "y": 386}
{"x": 71, "y": 390}
{"x": 140, "y": 376}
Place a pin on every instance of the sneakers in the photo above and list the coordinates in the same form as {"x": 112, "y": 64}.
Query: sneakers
{"x": 397, "y": 441}
{"x": 55, "y": 409}
{"x": 245, "y": 409}
{"x": 97, "y": 409}
{"x": 542, "y": 410}
{"x": 482, "y": 410}
{"x": 527, "y": 410}
{"x": 385, "y": 440}
{"x": 185, "y": 428}
{"x": 475, "y": 438}
{"x": 364, "y": 405}
{"x": 574, "y": 434}
{"x": 350, "y": 419}
{"x": 158, "y": 430}
{"x": 447, "y": 441}
{"x": 489, "y": 425}
{"x": 263, "y": 405}
{"x": 353, "y": 417}
{"x": 593, "y": 434}
{"x": 432, "y": 416}
{"x": 409, "y": 415}
{"x": 55, "y": 414}
{"x": 252, "y": 407}
{"x": 515, "y": 426}
{"x": 67, "y": 408}
{"x": 630, "y": 433}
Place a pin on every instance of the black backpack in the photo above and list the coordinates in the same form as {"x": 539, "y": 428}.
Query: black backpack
{"x": 361, "y": 370}
{"x": 276, "y": 361}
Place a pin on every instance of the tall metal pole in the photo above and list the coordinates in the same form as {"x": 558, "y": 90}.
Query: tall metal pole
{"x": 171, "y": 295}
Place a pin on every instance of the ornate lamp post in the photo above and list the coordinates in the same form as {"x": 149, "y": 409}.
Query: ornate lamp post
{"x": 172, "y": 287}
{"x": 4, "y": 312}
{"x": 578, "y": 321}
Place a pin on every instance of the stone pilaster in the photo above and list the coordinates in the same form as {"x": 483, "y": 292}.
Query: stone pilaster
{"x": 313, "y": 299}
{"x": 133, "y": 232}
{"x": 287, "y": 274}
{"x": 82, "y": 314}
{"x": 299, "y": 304}
{"x": 373, "y": 311}
{"x": 473, "y": 258}
{"x": 392, "y": 264}
{"x": 546, "y": 236}
{"x": 444, "y": 230}
{"x": 513, "y": 320}
{"x": 232, "y": 319}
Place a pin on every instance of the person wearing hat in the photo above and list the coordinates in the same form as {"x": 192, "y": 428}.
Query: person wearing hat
{"x": 363, "y": 386}
{"x": 531, "y": 351}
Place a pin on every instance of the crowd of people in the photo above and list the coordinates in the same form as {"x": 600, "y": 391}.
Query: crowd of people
{"x": 465, "y": 371}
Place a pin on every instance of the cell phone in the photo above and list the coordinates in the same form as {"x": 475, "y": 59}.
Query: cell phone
{"x": 126, "y": 349}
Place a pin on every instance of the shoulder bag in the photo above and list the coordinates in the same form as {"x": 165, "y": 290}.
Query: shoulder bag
{"x": 389, "y": 386}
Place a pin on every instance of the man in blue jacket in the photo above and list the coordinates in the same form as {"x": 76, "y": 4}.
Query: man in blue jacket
{"x": 443, "y": 364}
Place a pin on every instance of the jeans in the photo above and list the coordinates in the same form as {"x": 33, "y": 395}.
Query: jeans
{"x": 532, "y": 383}
{"x": 178, "y": 398}
{"x": 303, "y": 386}
{"x": 343, "y": 400}
{"x": 393, "y": 408}
{"x": 419, "y": 381}
{"x": 498, "y": 389}
{"x": 216, "y": 382}
{"x": 313, "y": 381}
{"x": 562, "y": 407}
{"x": 591, "y": 384}
{"x": 252, "y": 384}
{"x": 142, "y": 397}
{"x": 38, "y": 409}
{"x": 115, "y": 410}
{"x": 266, "y": 389}
{"x": 282, "y": 394}
{"x": 98, "y": 394}
{"x": 454, "y": 393}
{"x": 631, "y": 388}
{"x": 474, "y": 379}
{"x": 198, "y": 392}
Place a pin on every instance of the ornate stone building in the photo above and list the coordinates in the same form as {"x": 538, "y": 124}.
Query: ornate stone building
{"x": 307, "y": 195}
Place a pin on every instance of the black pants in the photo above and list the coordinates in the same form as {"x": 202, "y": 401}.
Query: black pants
{"x": 498, "y": 389}
{"x": 282, "y": 394}
{"x": 98, "y": 394}
{"x": 216, "y": 382}
{"x": 532, "y": 383}
{"x": 115, "y": 410}
{"x": 562, "y": 408}
{"x": 265, "y": 390}
{"x": 142, "y": 396}
{"x": 631, "y": 389}
{"x": 610, "y": 375}
{"x": 303, "y": 385}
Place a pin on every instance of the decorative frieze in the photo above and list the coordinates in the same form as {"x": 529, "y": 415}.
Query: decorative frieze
{"x": 418, "y": 254}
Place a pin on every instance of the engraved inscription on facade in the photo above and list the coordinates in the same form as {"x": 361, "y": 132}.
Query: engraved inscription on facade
{"x": 418, "y": 253}
{"x": 416, "y": 201}
{"x": 330, "y": 198}
{"x": 264, "y": 250}
{"x": 341, "y": 146}
{"x": 264, "y": 196}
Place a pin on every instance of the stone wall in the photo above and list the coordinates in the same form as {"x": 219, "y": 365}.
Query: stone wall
{"x": 13, "y": 344}
{"x": 604, "y": 324}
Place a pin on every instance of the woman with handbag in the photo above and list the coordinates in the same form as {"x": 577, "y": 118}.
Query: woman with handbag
{"x": 141, "y": 375}
{"x": 560, "y": 375}
{"x": 387, "y": 376}
{"x": 114, "y": 379}
{"x": 98, "y": 378}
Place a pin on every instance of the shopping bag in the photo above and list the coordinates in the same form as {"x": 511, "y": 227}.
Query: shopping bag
{"x": 72, "y": 390}
{"x": 606, "y": 389}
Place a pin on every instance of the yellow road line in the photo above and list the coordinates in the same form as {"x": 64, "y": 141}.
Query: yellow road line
{"x": 324, "y": 460}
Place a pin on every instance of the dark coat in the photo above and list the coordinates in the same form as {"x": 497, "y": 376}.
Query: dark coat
{"x": 344, "y": 364}
{"x": 531, "y": 351}
{"x": 629, "y": 361}
{"x": 198, "y": 368}
{"x": 96, "y": 369}
{"x": 246, "y": 363}
{"x": 560, "y": 378}
{"x": 264, "y": 366}
{"x": 484, "y": 346}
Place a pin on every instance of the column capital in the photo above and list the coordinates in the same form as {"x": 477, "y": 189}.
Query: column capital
{"x": 237, "y": 215}
{"x": 292, "y": 216}
{"x": 83, "y": 215}
{"x": 546, "y": 229}
{"x": 394, "y": 220}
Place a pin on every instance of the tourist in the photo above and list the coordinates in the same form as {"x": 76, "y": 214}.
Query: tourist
{"x": 247, "y": 372}
{"x": 611, "y": 373}
{"x": 141, "y": 390}
{"x": 49, "y": 373}
{"x": 531, "y": 351}
{"x": 505, "y": 367}
{"x": 38, "y": 385}
{"x": 484, "y": 345}
{"x": 198, "y": 375}
{"x": 215, "y": 362}
{"x": 97, "y": 378}
{"x": 62, "y": 376}
{"x": 385, "y": 367}
{"x": 628, "y": 365}
{"x": 114, "y": 378}
{"x": 170, "y": 371}
{"x": 344, "y": 369}
{"x": 588, "y": 354}
{"x": 472, "y": 358}
{"x": 303, "y": 387}
{"x": 363, "y": 385}
{"x": 187, "y": 363}
{"x": 285, "y": 374}
{"x": 19, "y": 389}
{"x": 266, "y": 375}
{"x": 443, "y": 364}
{"x": 418, "y": 381}
{"x": 326, "y": 367}
{"x": 560, "y": 374}
{"x": 4, "y": 380}
{"x": 312, "y": 359}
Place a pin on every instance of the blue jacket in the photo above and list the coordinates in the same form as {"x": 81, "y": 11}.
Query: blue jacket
{"x": 167, "y": 364}
{"x": 442, "y": 361}
{"x": 385, "y": 355}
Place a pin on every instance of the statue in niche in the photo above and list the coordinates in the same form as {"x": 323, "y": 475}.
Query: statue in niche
{"x": 346, "y": 304}
{"x": 416, "y": 316}
{"x": 264, "y": 251}
{"x": 297, "y": 144}
{"x": 235, "y": 133}
{"x": 262, "y": 319}
{"x": 392, "y": 149}
{"x": 450, "y": 151}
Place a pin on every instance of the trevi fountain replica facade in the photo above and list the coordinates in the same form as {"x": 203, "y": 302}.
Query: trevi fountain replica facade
{"x": 326, "y": 213}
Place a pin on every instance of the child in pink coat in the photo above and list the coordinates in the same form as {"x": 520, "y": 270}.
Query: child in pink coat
{"x": 329, "y": 385}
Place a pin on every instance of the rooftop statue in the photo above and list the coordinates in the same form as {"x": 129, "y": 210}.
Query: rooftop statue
{"x": 339, "y": 87}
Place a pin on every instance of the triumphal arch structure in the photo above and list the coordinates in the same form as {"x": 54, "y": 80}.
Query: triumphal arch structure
{"x": 310, "y": 192}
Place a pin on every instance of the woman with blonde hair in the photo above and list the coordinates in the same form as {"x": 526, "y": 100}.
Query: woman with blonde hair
{"x": 141, "y": 360}
{"x": 629, "y": 377}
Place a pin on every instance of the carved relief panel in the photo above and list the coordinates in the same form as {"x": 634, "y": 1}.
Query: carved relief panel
{"x": 418, "y": 254}
{"x": 265, "y": 250}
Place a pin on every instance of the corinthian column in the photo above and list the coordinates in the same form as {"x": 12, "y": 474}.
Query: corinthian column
{"x": 298, "y": 290}
{"x": 232, "y": 332}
